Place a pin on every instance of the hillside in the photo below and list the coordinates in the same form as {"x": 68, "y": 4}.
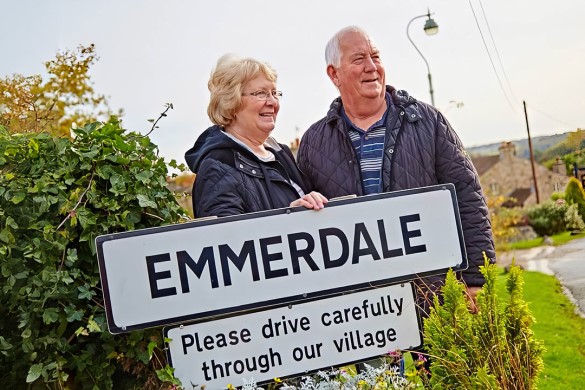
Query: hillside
{"x": 539, "y": 145}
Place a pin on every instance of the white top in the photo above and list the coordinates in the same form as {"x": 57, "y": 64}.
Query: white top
{"x": 270, "y": 142}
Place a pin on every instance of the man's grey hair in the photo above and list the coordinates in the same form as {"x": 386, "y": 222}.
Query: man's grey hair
{"x": 332, "y": 50}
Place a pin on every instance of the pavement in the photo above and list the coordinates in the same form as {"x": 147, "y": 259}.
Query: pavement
{"x": 566, "y": 262}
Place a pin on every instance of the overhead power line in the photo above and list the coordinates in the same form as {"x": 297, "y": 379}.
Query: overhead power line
{"x": 498, "y": 54}
{"x": 514, "y": 100}
{"x": 490, "y": 57}
{"x": 551, "y": 117}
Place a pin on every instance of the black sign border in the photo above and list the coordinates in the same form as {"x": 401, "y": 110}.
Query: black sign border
{"x": 115, "y": 329}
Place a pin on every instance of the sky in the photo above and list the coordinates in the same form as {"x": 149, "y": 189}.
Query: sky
{"x": 156, "y": 52}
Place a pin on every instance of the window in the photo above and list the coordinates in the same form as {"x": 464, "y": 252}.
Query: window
{"x": 494, "y": 188}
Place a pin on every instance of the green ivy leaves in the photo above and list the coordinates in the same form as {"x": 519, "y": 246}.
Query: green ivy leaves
{"x": 34, "y": 373}
{"x": 56, "y": 196}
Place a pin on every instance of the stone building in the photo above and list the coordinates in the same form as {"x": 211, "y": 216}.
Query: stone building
{"x": 294, "y": 146}
{"x": 510, "y": 176}
{"x": 181, "y": 186}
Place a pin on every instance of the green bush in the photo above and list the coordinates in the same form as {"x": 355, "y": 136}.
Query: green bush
{"x": 548, "y": 218}
{"x": 557, "y": 195}
{"x": 574, "y": 194}
{"x": 505, "y": 220}
{"x": 493, "y": 349}
{"x": 573, "y": 219}
{"x": 56, "y": 196}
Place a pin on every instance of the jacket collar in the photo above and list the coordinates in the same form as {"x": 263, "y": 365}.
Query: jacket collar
{"x": 400, "y": 98}
{"x": 214, "y": 139}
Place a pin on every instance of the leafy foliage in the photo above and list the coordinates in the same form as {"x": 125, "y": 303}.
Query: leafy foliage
{"x": 56, "y": 196}
{"x": 386, "y": 376}
{"x": 573, "y": 219}
{"x": 504, "y": 219}
{"x": 548, "y": 218}
{"x": 29, "y": 104}
{"x": 493, "y": 349}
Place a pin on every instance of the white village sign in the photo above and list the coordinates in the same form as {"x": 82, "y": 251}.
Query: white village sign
{"x": 190, "y": 271}
{"x": 295, "y": 339}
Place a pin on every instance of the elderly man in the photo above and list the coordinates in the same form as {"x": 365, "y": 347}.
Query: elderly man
{"x": 375, "y": 139}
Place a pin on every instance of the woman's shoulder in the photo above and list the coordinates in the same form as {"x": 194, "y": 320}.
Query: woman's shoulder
{"x": 217, "y": 173}
{"x": 223, "y": 156}
{"x": 218, "y": 166}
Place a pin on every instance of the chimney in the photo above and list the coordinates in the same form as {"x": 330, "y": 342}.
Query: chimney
{"x": 294, "y": 146}
{"x": 507, "y": 150}
{"x": 559, "y": 167}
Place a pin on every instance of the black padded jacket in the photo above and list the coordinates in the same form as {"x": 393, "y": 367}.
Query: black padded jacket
{"x": 421, "y": 149}
{"x": 231, "y": 180}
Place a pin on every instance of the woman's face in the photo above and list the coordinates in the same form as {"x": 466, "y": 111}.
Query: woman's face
{"x": 256, "y": 117}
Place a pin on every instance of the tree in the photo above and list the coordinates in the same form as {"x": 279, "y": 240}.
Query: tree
{"x": 30, "y": 104}
{"x": 576, "y": 140}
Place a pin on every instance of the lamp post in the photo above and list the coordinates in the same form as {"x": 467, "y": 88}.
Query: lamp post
{"x": 431, "y": 28}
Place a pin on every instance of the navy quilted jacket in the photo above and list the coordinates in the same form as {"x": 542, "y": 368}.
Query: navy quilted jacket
{"x": 421, "y": 149}
{"x": 231, "y": 180}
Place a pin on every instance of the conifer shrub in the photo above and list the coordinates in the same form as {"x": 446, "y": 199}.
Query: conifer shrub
{"x": 493, "y": 349}
{"x": 56, "y": 196}
{"x": 574, "y": 194}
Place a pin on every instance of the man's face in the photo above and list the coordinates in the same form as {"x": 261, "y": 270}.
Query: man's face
{"x": 361, "y": 72}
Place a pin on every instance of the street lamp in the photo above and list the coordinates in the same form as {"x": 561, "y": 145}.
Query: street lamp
{"x": 431, "y": 28}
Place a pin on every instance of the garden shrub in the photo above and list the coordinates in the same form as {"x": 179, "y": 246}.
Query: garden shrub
{"x": 56, "y": 196}
{"x": 493, "y": 349}
{"x": 557, "y": 195}
{"x": 504, "y": 219}
{"x": 548, "y": 218}
{"x": 573, "y": 219}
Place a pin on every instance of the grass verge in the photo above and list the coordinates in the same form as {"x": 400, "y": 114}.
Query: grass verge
{"x": 561, "y": 329}
{"x": 557, "y": 239}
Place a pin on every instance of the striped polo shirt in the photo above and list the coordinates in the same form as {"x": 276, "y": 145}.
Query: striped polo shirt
{"x": 369, "y": 149}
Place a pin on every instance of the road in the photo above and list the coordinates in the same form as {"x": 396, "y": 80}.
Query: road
{"x": 566, "y": 262}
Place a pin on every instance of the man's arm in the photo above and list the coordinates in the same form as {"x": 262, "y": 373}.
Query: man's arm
{"x": 453, "y": 165}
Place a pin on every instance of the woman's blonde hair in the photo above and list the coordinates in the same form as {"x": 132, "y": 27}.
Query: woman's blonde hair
{"x": 226, "y": 85}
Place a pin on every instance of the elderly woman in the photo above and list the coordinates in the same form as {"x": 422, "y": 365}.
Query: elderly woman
{"x": 240, "y": 168}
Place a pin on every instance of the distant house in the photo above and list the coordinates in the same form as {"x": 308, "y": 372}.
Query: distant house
{"x": 181, "y": 186}
{"x": 294, "y": 146}
{"x": 511, "y": 176}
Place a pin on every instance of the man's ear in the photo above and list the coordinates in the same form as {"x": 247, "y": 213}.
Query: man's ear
{"x": 332, "y": 73}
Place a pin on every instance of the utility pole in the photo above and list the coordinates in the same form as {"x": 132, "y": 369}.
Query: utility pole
{"x": 531, "y": 154}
